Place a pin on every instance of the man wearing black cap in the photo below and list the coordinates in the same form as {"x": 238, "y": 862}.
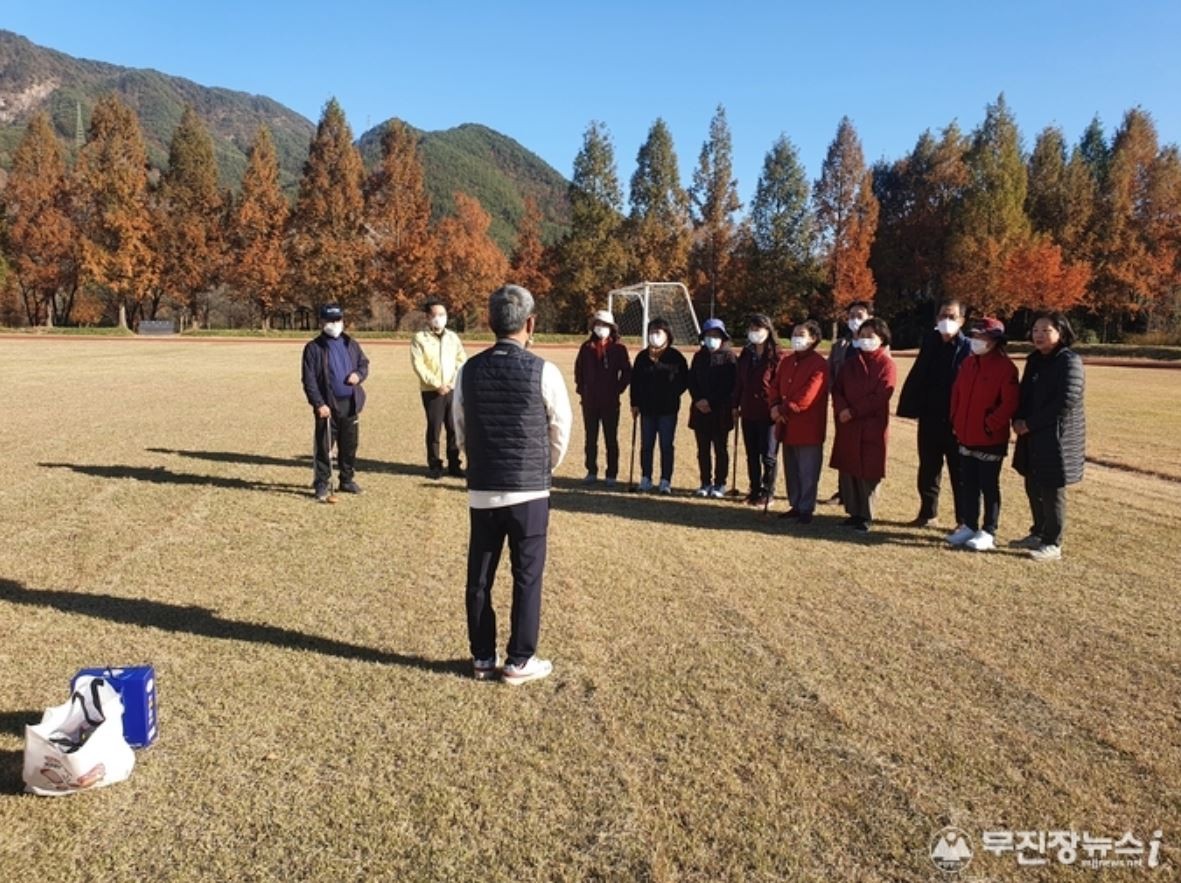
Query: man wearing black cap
{"x": 334, "y": 367}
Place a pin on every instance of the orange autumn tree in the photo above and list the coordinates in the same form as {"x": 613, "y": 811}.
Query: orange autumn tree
{"x": 39, "y": 234}
{"x": 470, "y": 265}
{"x": 398, "y": 212}
{"x": 189, "y": 211}
{"x": 528, "y": 266}
{"x": 329, "y": 245}
{"x": 847, "y": 220}
{"x": 1035, "y": 276}
{"x": 258, "y": 262}
{"x": 113, "y": 214}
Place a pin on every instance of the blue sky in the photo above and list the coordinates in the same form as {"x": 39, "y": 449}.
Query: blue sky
{"x": 540, "y": 71}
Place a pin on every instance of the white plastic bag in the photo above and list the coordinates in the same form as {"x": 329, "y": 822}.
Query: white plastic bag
{"x": 79, "y": 745}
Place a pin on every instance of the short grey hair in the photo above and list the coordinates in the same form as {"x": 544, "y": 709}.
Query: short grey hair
{"x": 508, "y": 309}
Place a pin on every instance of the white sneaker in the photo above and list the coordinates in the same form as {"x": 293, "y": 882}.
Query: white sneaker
{"x": 703, "y": 491}
{"x": 1046, "y": 553}
{"x": 981, "y": 541}
{"x": 665, "y": 487}
{"x": 645, "y": 484}
{"x": 533, "y": 669}
{"x": 717, "y": 491}
{"x": 960, "y": 535}
{"x": 1031, "y": 542}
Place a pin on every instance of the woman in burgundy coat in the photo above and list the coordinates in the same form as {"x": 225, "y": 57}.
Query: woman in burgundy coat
{"x": 861, "y": 403}
{"x": 799, "y": 406}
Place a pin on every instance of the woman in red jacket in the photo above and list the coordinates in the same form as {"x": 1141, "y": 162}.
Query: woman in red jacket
{"x": 984, "y": 399}
{"x": 602, "y": 372}
{"x": 798, "y": 395}
{"x": 861, "y": 402}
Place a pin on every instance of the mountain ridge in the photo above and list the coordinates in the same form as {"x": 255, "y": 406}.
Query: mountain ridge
{"x": 489, "y": 165}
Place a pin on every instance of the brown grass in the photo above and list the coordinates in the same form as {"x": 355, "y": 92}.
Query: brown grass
{"x": 732, "y": 700}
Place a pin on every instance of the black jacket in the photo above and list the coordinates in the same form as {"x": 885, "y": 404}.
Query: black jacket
{"x": 712, "y": 376}
{"x": 317, "y": 386}
{"x": 926, "y": 392}
{"x": 1053, "y": 452}
{"x": 657, "y": 386}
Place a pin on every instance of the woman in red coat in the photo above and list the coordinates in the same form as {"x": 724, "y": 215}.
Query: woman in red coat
{"x": 798, "y": 395}
{"x": 861, "y": 402}
{"x": 984, "y": 399}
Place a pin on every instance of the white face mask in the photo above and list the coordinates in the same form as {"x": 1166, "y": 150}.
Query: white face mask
{"x": 979, "y": 346}
{"x": 867, "y": 344}
{"x": 758, "y": 336}
{"x": 799, "y": 344}
{"x": 948, "y": 326}
{"x": 854, "y": 324}
{"x": 602, "y": 332}
{"x": 334, "y": 329}
{"x": 712, "y": 343}
{"x": 657, "y": 339}
{"x": 439, "y": 321}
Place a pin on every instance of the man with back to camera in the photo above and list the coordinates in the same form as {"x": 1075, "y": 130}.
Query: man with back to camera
{"x": 513, "y": 418}
{"x": 435, "y": 355}
{"x": 334, "y": 367}
{"x": 926, "y": 395}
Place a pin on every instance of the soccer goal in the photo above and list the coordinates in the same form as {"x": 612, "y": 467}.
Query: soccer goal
{"x": 636, "y": 305}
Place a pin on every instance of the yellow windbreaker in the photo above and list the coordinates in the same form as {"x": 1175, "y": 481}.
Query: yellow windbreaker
{"x": 436, "y": 358}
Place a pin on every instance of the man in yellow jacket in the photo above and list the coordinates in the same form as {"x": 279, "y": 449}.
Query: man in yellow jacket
{"x": 436, "y": 354}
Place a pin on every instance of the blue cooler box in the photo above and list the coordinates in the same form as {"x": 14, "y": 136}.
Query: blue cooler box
{"x": 136, "y": 686}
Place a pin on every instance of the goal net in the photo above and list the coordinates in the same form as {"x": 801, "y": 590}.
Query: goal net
{"x": 636, "y": 305}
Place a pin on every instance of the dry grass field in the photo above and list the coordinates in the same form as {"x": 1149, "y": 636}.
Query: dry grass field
{"x": 732, "y": 699}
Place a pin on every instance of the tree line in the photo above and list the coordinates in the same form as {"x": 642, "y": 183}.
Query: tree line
{"x": 1093, "y": 227}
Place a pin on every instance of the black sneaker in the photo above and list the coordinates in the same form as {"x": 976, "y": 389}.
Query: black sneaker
{"x": 435, "y": 472}
{"x": 850, "y": 522}
{"x": 456, "y": 471}
{"x": 861, "y": 525}
{"x": 790, "y": 513}
{"x": 805, "y": 518}
{"x": 350, "y": 487}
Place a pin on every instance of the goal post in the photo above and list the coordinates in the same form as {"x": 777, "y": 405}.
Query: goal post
{"x": 634, "y": 306}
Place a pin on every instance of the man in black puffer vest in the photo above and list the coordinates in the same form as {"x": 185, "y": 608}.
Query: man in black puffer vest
{"x": 512, "y": 414}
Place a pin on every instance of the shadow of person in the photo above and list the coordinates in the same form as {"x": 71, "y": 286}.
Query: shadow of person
{"x": 14, "y": 722}
{"x": 203, "y": 622}
{"x": 387, "y": 467}
{"x": 161, "y": 475}
{"x": 12, "y": 766}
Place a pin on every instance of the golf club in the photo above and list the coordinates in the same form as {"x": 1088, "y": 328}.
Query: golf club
{"x": 331, "y": 498}
{"x": 734, "y": 491}
{"x": 631, "y": 469}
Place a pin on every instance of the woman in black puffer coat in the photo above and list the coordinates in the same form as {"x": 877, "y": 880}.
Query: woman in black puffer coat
{"x": 1051, "y": 432}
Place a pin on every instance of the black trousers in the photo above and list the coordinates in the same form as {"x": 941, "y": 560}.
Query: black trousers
{"x": 525, "y": 526}
{"x": 344, "y": 428}
{"x": 980, "y": 478}
{"x": 715, "y": 469}
{"x": 608, "y": 418}
{"x": 762, "y": 449}
{"x": 937, "y": 444}
{"x": 1048, "y": 505}
{"x": 438, "y": 416}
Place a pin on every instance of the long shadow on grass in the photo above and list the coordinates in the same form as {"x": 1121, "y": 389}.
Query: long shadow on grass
{"x": 11, "y": 768}
{"x": 13, "y": 722}
{"x": 162, "y": 475}
{"x": 569, "y": 495}
{"x": 203, "y": 622}
{"x": 385, "y": 467}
